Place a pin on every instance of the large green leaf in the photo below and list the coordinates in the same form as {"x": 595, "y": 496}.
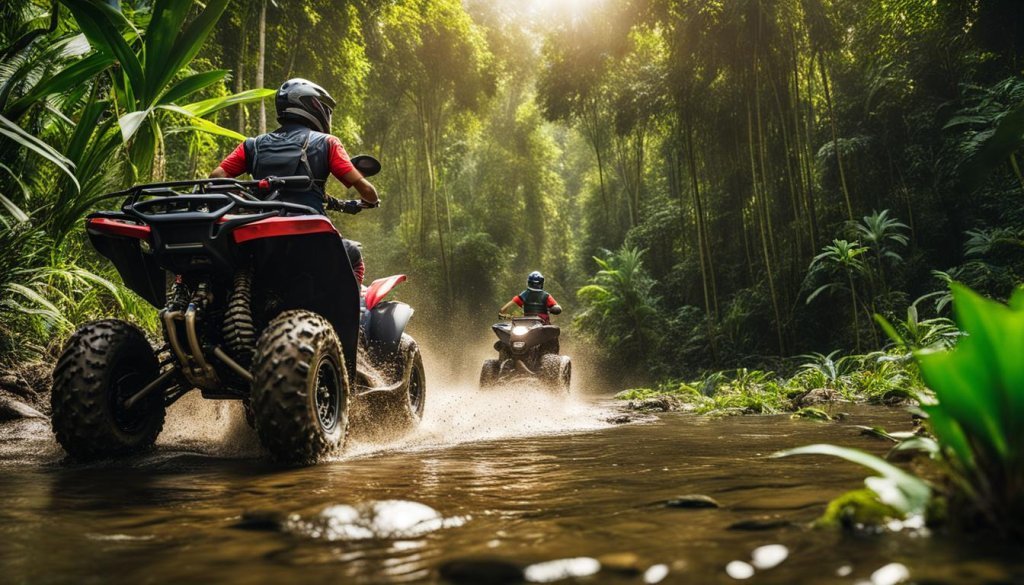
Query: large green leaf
{"x": 165, "y": 23}
{"x": 66, "y": 79}
{"x": 187, "y": 44}
{"x": 102, "y": 24}
{"x": 895, "y": 487}
{"x": 15, "y": 133}
{"x": 211, "y": 105}
{"x": 201, "y": 125}
{"x": 191, "y": 84}
{"x": 131, "y": 122}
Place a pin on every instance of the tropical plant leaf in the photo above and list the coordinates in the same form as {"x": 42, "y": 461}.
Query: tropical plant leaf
{"x": 191, "y": 84}
{"x": 165, "y": 24}
{"x": 186, "y": 44}
{"x": 895, "y": 487}
{"x": 205, "y": 107}
{"x": 102, "y": 24}
{"x": 201, "y": 125}
{"x": 131, "y": 122}
{"x": 15, "y": 133}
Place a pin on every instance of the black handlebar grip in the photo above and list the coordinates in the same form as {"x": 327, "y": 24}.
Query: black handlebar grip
{"x": 296, "y": 182}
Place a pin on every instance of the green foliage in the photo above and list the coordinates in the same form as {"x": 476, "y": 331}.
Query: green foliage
{"x": 978, "y": 413}
{"x": 619, "y": 306}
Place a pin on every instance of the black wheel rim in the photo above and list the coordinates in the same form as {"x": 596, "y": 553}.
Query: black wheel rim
{"x": 126, "y": 382}
{"x": 415, "y": 389}
{"x": 327, "y": 395}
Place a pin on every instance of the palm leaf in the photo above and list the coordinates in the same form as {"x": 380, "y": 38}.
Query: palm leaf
{"x": 206, "y": 107}
{"x": 15, "y": 133}
{"x": 191, "y": 84}
{"x": 188, "y": 43}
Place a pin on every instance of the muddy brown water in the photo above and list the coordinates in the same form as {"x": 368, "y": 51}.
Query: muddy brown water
{"x": 516, "y": 477}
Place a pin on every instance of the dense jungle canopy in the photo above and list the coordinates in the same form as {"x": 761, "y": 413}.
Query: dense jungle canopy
{"x": 706, "y": 184}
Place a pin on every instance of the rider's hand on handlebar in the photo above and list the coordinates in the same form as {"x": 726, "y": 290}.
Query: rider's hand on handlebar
{"x": 352, "y": 207}
{"x": 504, "y": 316}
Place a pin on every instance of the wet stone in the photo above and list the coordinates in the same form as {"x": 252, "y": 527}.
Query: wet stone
{"x": 481, "y": 570}
{"x": 759, "y": 524}
{"x": 11, "y": 409}
{"x": 693, "y": 501}
{"x": 626, "y": 563}
{"x": 262, "y": 520}
{"x": 660, "y": 403}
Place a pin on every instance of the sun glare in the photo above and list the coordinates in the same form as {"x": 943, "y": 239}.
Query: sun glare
{"x": 563, "y": 10}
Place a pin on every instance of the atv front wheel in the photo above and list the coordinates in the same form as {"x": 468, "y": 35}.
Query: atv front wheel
{"x": 489, "y": 373}
{"x": 300, "y": 388}
{"x": 556, "y": 371}
{"x": 405, "y": 406}
{"x": 104, "y": 364}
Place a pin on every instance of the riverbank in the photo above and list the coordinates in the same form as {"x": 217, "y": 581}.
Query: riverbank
{"x": 879, "y": 378}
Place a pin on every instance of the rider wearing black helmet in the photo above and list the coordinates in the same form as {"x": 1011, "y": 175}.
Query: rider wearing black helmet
{"x": 303, "y": 145}
{"x": 535, "y": 301}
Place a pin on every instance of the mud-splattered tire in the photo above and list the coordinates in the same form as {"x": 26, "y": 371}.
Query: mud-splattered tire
{"x": 301, "y": 389}
{"x": 556, "y": 370}
{"x": 103, "y": 364}
{"x": 405, "y": 409}
{"x": 489, "y": 373}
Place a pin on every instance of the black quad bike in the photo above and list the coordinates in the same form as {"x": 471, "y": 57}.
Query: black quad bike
{"x": 258, "y": 303}
{"x": 527, "y": 349}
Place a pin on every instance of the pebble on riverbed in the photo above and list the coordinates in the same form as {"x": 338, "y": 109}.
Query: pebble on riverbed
{"x": 694, "y": 501}
{"x": 482, "y": 570}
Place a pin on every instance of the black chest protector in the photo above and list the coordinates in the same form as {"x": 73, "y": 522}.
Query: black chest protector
{"x": 535, "y": 302}
{"x": 291, "y": 150}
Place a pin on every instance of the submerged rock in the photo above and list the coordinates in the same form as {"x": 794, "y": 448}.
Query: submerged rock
{"x": 759, "y": 524}
{"x": 264, "y": 520}
{"x": 626, "y": 563}
{"x": 11, "y": 409}
{"x": 481, "y": 570}
{"x": 693, "y": 501}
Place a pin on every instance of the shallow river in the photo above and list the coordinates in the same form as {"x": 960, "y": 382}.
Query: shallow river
{"x": 516, "y": 477}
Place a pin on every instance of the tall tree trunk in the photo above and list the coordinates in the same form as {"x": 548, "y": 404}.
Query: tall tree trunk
{"x": 243, "y": 49}
{"x": 835, "y": 137}
{"x": 763, "y": 230}
{"x": 260, "y": 62}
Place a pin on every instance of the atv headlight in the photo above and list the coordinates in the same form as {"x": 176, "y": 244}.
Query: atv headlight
{"x": 519, "y": 330}
{"x": 518, "y": 344}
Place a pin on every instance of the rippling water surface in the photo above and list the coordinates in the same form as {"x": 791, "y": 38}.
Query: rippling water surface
{"x": 518, "y": 478}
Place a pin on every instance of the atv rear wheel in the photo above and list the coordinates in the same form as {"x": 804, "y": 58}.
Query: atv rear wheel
{"x": 556, "y": 371}
{"x": 103, "y": 364}
{"x": 300, "y": 389}
{"x": 489, "y": 373}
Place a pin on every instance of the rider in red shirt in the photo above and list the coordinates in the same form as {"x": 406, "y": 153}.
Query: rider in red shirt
{"x": 304, "y": 146}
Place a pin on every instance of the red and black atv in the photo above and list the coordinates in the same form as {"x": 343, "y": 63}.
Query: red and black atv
{"x": 258, "y": 303}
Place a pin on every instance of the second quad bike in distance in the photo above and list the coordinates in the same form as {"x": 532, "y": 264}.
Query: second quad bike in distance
{"x": 527, "y": 349}
{"x": 258, "y": 302}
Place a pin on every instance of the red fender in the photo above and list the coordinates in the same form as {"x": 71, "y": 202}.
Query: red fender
{"x": 380, "y": 288}
{"x": 117, "y": 227}
{"x": 273, "y": 227}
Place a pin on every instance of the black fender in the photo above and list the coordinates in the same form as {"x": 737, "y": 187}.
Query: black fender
{"x": 384, "y": 326}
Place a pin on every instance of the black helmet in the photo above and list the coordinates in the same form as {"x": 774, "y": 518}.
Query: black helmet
{"x": 303, "y": 101}
{"x": 535, "y": 281}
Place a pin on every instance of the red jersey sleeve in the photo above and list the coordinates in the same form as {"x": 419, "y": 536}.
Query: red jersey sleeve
{"x": 551, "y": 301}
{"x": 234, "y": 164}
{"x": 338, "y": 160}
{"x": 518, "y": 300}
